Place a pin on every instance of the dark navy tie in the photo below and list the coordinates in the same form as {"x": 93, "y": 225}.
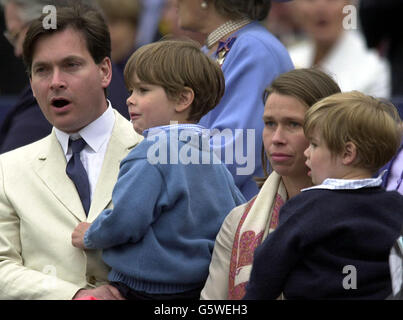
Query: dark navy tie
{"x": 76, "y": 172}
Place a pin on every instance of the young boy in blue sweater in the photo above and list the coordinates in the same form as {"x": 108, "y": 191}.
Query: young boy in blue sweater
{"x": 172, "y": 193}
{"x": 333, "y": 239}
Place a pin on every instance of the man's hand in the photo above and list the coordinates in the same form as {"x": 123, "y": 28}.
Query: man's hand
{"x": 105, "y": 292}
{"x": 77, "y": 237}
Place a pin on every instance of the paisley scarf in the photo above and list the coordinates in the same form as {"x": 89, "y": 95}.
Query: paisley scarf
{"x": 259, "y": 218}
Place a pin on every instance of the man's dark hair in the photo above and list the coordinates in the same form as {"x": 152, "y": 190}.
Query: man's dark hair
{"x": 87, "y": 20}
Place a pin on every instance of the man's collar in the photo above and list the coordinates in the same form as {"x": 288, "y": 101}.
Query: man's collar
{"x": 95, "y": 134}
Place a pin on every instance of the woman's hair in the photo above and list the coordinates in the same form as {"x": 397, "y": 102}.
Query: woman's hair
{"x": 236, "y": 9}
{"x": 174, "y": 65}
{"x": 308, "y": 86}
{"x": 371, "y": 124}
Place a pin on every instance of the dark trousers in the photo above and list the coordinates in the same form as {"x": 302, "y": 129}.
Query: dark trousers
{"x": 130, "y": 294}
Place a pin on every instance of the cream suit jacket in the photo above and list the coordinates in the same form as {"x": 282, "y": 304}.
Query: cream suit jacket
{"x": 39, "y": 209}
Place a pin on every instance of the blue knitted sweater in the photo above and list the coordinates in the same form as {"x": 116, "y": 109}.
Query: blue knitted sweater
{"x": 160, "y": 235}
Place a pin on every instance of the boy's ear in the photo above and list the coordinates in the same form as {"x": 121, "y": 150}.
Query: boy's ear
{"x": 349, "y": 153}
{"x": 185, "y": 99}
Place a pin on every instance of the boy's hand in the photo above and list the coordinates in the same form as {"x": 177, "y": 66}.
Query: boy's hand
{"x": 77, "y": 237}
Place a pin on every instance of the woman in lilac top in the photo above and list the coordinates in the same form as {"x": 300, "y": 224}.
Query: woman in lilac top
{"x": 392, "y": 179}
{"x": 250, "y": 57}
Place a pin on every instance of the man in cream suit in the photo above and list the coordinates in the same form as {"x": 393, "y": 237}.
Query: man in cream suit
{"x": 70, "y": 69}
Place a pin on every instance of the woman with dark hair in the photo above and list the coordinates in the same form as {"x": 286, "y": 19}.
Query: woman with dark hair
{"x": 286, "y": 102}
{"x": 250, "y": 57}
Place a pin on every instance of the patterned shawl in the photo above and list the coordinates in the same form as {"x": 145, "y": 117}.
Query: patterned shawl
{"x": 260, "y": 218}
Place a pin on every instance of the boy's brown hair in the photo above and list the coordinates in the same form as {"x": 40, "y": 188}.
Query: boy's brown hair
{"x": 371, "y": 124}
{"x": 174, "y": 65}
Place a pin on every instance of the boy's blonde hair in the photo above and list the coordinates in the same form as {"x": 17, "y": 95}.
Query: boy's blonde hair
{"x": 371, "y": 124}
{"x": 174, "y": 65}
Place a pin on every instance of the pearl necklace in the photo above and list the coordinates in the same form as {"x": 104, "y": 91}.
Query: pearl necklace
{"x": 225, "y": 29}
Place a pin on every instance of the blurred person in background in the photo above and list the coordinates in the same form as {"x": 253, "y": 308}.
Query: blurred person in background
{"x": 281, "y": 22}
{"x": 13, "y": 78}
{"x": 169, "y": 24}
{"x": 122, "y": 17}
{"x": 378, "y": 21}
{"x": 24, "y": 123}
{"x": 337, "y": 48}
{"x": 149, "y": 21}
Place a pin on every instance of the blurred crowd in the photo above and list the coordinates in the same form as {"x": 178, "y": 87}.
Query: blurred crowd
{"x": 312, "y": 30}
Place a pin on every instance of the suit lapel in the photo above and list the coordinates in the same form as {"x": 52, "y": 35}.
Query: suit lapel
{"x": 50, "y": 166}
